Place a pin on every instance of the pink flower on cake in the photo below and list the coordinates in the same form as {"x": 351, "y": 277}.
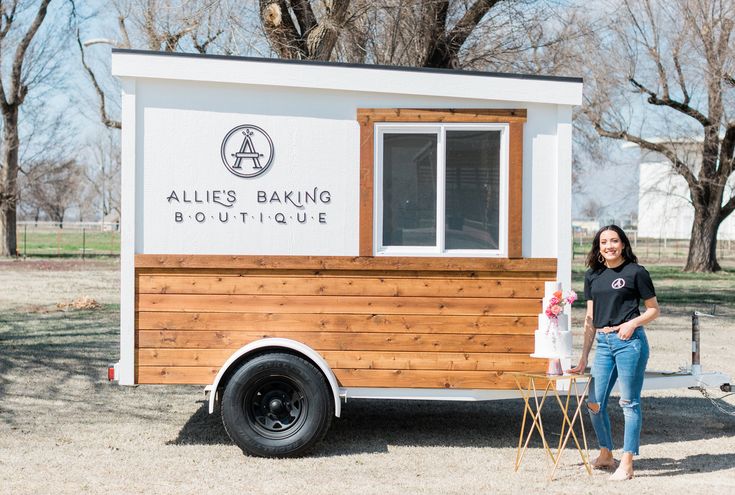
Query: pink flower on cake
{"x": 557, "y": 302}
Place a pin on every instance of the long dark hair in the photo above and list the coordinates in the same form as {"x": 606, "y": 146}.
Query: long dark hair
{"x": 593, "y": 258}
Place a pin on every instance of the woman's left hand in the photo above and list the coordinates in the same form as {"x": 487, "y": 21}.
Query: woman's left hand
{"x": 626, "y": 330}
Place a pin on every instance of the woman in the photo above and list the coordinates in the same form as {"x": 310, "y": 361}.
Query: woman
{"x": 613, "y": 287}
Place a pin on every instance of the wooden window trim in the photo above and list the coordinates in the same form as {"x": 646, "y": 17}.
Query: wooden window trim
{"x": 515, "y": 118}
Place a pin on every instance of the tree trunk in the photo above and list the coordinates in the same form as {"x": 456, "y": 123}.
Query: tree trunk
{"x": 9, "y": 243}
{"x": 703, "y": 242}
{"x": 9, "y": 182}
{"x": 441, "y": 56}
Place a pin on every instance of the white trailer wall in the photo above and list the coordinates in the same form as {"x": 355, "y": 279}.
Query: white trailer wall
{"x": 316, "y": 140}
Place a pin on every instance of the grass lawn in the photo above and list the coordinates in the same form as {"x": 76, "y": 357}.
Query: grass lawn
{"x": 683, "y": 291}
{"x": 68, "y": 243}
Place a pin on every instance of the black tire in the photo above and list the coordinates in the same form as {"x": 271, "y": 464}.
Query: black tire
{"x": 277, "y": 405}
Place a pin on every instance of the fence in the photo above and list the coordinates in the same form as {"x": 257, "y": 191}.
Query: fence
{"x": 85, "y": 239}
{"x": 654, "y": 250}
{"x": 71, "y": 239}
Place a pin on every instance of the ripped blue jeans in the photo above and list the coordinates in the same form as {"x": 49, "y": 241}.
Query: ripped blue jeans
{"x": 623, "y": 360}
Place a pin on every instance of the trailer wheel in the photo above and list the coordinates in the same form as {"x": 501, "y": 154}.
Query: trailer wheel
{"x": 277, "y": 405}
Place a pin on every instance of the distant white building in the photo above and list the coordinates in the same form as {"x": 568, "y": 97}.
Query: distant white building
{"x": 665, "y": 210}
{"x": 585, "y": 227}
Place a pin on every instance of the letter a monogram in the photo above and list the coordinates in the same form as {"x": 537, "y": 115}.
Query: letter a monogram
{"x": 247, "y": 151}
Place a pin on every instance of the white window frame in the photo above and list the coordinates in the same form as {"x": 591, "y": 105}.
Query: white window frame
{"x": 439, "y": 129}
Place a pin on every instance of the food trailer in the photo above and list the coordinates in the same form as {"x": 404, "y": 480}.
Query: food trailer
{"x": 296, "y": 234}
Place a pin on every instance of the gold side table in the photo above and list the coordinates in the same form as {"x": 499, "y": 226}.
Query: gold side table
{"x": 534, "y": 389}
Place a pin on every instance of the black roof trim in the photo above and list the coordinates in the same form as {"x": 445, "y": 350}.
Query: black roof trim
{"x": 355, "y": 66}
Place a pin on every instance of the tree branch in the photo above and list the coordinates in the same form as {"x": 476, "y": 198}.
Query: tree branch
{"x": 469, "y": 21}
{"x": 680, "y": 167}
{"x": 321, "y": 39}
{"x": 124, "y": 31}
{"x": 727, "y": 152}
{"x": 727, "y": 208}
{"x": 654, "y": 50}
{"x": 666, "y": 101}
{"x": 17, "y": 90}
{"x": 304, "y": 15}
{"x": 680, "y": 77}
{"x": 106, "y": 120}
{"x": 280, "y": 30}
{"x": 8, "y": 20}
{"x": 203, "y": 46}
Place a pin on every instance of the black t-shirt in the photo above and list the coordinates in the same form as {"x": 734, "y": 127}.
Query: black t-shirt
{"x": 617, "y": 292}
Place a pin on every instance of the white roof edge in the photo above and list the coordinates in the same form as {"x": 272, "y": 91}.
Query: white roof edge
{"x": 346, "y": 78}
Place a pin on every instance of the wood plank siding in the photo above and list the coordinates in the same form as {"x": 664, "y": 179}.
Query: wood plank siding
{"x": 377, "y": 321}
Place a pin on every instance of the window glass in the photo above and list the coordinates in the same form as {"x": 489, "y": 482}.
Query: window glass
{"x": 409, "y": 189}
{"x": 472, "y": 189}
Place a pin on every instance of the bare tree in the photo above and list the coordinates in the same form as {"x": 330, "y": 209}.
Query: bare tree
{"x": 102, "y": 173}
{"x": 54, "y": 187}
{"x": 444, "y": 42}
{"x": 592, "y": 209}
{"x": 201, "y": 26}
{"x": 425, "y": 33}
{"x": 177, "y": 25}
{"x": 18, "y": 75}
{"x": 298, "y": 30}
{"x": 418, "y": 33}
{"x": 678, "y": 57}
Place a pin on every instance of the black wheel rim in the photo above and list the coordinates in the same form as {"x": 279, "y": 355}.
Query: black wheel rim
{"x": 276, "y": 407}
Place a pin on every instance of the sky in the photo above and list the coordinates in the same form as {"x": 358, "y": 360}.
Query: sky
{"x": 613, "y": 184}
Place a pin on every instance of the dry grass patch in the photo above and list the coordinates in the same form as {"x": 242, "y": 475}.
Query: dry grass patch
{"x": 80, "y": 303}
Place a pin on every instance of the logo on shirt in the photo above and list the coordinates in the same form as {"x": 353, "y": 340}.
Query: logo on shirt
{"x": 618, "y": 283}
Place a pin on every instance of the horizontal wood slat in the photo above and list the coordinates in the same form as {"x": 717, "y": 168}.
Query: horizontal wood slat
{"x": 221, "y": 262}
{"x": 338, "y": 304}
{"x": 275, "y": 322}
{"x": 426, "y": 379}
{"x": 317, "y": 273}
{"x": 473, "y": 115}
{"x": 349, "y": 377}
{"x": 341, "y": 286}
{"x": 449, "y": 361}
{"x": 175, "y": 375}
{"x": 323, "y": 341}
{"x": 457, "y": 361}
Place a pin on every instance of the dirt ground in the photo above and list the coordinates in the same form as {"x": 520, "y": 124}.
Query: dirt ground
{"x": 65, "y": 429}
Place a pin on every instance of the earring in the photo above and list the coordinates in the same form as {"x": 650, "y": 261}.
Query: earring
{"x": 600, "y": 258}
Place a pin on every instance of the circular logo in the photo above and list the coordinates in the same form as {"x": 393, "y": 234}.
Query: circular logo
{"x": 618, "y": 283}
{"x": 247, "y": 151}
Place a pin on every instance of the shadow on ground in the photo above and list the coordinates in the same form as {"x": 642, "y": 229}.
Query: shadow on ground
{"x": 373, "y": 426}
{"x": 53, "y": 369}
{"x": 700, "y": 463}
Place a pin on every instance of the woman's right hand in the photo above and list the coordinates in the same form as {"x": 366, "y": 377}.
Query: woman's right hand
{"x": 581, "y": 366}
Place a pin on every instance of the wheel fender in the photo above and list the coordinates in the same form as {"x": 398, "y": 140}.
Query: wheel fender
{"x": 275, "y": 344}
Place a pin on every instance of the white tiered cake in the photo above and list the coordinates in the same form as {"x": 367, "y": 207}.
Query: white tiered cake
{"x": 553, "y": 339}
